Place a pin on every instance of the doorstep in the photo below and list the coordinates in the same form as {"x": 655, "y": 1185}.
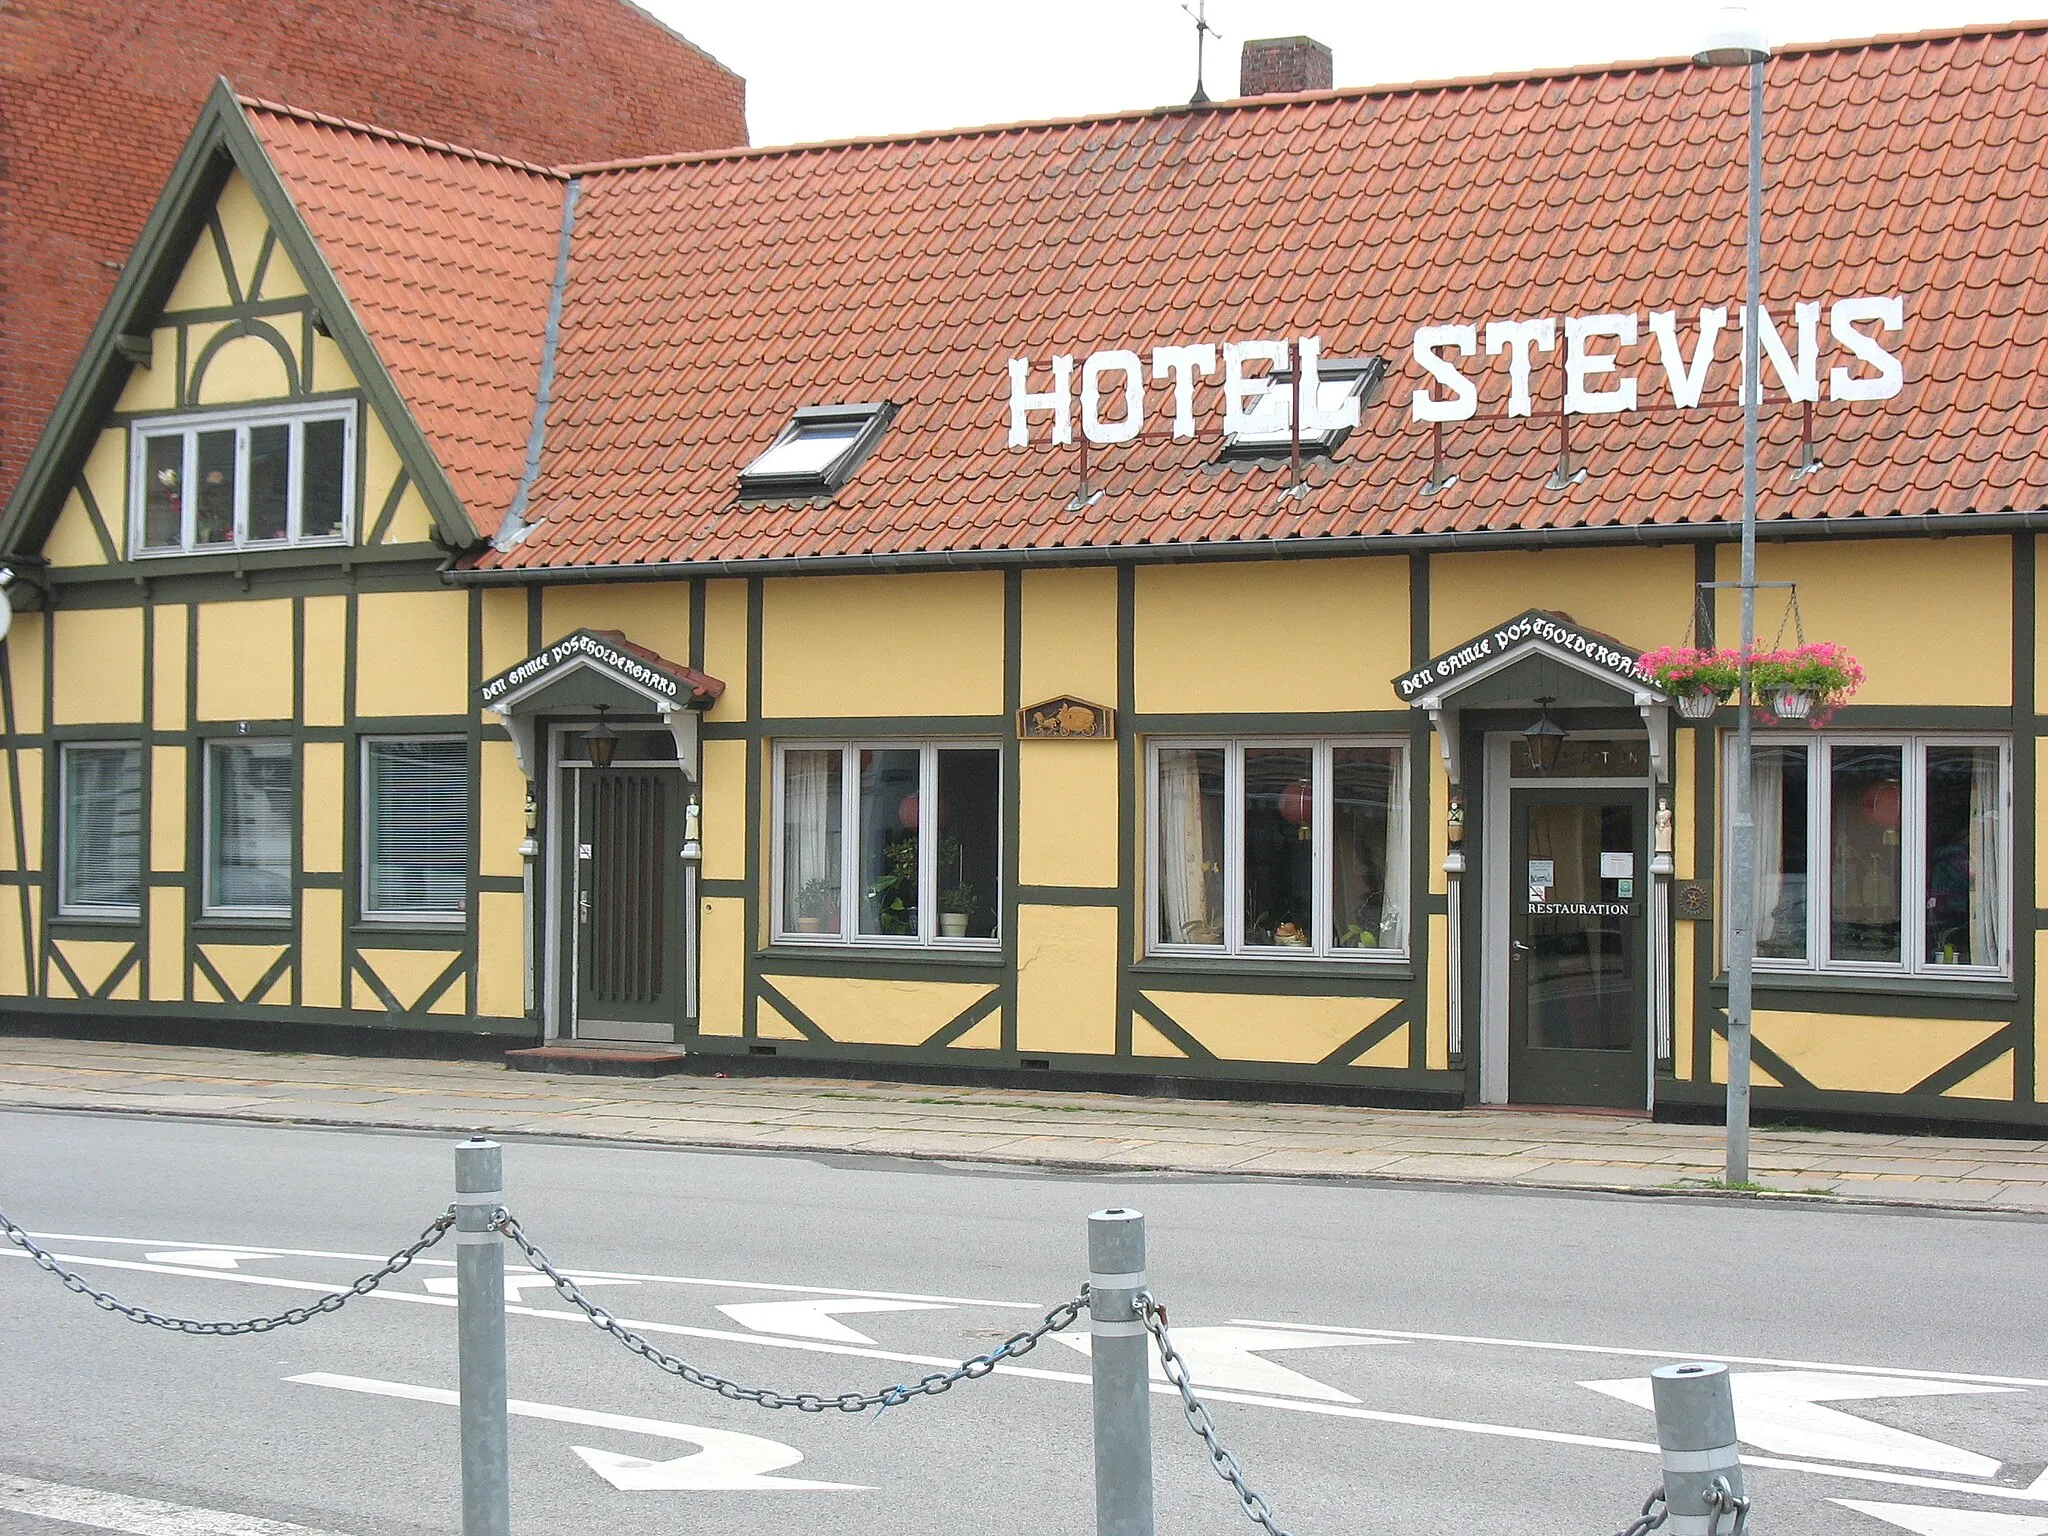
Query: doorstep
{"x": 591, "y": 1060}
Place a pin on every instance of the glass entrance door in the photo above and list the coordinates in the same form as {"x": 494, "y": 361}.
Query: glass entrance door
{"x": 627, "y": 904}
{"x": 1578, "y": 998}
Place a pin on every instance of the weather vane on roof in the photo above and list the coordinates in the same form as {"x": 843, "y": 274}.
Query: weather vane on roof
{"x": 1203, "y": 32}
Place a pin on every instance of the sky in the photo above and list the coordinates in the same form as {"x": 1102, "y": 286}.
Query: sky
{"x": 829, "y": 69}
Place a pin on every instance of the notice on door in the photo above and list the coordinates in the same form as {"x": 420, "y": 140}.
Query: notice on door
{"x": 1617, "y": 866}
{"x": 1543, "y": 872}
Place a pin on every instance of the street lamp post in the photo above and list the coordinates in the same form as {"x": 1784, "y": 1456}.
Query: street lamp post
{"x": 1737, "y": 39}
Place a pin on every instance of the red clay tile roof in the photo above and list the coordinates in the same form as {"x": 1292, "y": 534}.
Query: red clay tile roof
{"x": 712, "y": 295}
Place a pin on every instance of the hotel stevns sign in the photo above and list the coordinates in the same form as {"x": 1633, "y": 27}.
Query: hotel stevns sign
{"x": 1536, "y": 627}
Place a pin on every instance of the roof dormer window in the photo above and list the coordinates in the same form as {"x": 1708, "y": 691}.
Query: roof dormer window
{"x": 1337, "y": 380}
{"x": 817, "y": 452}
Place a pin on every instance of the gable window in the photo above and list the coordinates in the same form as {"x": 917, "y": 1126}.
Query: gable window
{"x": 889, "y": 843}
{"x": 415, "y": 829}
{"x": 249, "y": 810}
{"x": 1270, "y": 435}
{"x": 817, "y": 452}
{"x": 1278, "y": 849}
{"x": 1883, "y": 854}
{"x": 243, "y": 480}
{"x": 100, "y": 832}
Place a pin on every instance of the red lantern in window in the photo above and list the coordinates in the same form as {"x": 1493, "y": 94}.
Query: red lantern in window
{"x": 1881, "y": 806}
{"x": 1297, "y": 805}
{"x": 906, "y": 812}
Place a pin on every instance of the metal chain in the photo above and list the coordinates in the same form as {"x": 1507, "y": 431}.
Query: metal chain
{"x": 362, "y": 1285}
{"x": 1721, "y": 1500}
{"x": 1061, "y": 1316}
{"x": 1654, "y": 1514}
{"x": 1255, "y": 1507}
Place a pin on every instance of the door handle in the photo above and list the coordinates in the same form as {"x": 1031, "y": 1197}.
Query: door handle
{"x": 1518, "y": 946}
{"x": 583, "y": 905}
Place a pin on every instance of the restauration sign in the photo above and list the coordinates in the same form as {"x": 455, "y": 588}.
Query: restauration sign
{"x": 1536, "y": 627}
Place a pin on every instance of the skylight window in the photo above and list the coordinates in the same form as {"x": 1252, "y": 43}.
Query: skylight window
{"x": 1338, "y": 380}
{"x": 817, "y": 452}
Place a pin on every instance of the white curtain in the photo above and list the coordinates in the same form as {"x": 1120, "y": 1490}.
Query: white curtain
{"x": 1185, "y": 910}
{"x": 1394, "y": 864}
{"x": 809, "y": 793}
{"x": 1767, "y": 810}
{"x": 1987, "y": 859}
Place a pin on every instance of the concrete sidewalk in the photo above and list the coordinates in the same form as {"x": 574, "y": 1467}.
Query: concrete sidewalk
{"x": 1064, "y": 1131}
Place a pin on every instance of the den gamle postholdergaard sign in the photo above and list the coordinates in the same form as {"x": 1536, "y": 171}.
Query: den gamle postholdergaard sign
{"x": 1856, "y": 362}
{"x": 1553, "y": 630}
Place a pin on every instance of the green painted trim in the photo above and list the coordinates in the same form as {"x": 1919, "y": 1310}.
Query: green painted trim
{"x": 1308, "y": 978}
{"x": 966, "y": 1019}
{"x": 55, "y": 956}
{"x": 805, "y": 1024}
{"x": 501, "y": 885}
{"x": 1706, "y": 847}
{"x": 456, "y": 969}
{"x": 234, "y": 331}
{"x": 254, "y": 574}
{"x": 284, "y": 1017}
{"x": 99, "y": 522}
{"x": 288, "y": 959}
{"x": 1011, "y": 894}
{"x": 370, "y": 979}
{"x": 1129, "y": 790}
{"x": 1252, "y": 722}
{"x": 1066, "y": 896}
{"x": 1918, "y": 1109}
{"x": 2026, "y": 875}
{"x": 1787, "y": 1075}
{"x": 1975, "y": 1060}
{"x": 1143, "y": 1007}
{"x": 225, "y": 256}
{"x": 755, "y": 810}
{"x": 731, "y": 887}
{"x": 1372, "y": 1035}
{"x": 400, "y": 484}
{"x": 1422, "y": 902}
{"x": 213, "y": 314}
{"x": 860, "y": 727}
{"x": 214, "y": 979}
{"x": 11, "y": 744}
{"x": 853, "y": 962}
{"x": 1906, "y": 997}
{"x": 698, "y": 588}
{"x": 262, "y": 269}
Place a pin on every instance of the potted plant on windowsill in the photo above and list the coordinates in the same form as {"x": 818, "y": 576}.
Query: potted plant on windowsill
{"x": 814, "y": 904}
{"x": 1809, "y": 681}
{"x": 1701, "y": 679}
{"x": 956, "y": 906}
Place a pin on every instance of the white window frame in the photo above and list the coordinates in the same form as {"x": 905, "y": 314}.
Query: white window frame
{"x": 1913, "y": 747}
{"x": 406, "y": 917}
{"x": 1233, "y": 948}
{"x": 190, "y": 425}
{"x": 928, "y": 936}
{"x": 208, "y": 749}
{"x": 128, "y": 912}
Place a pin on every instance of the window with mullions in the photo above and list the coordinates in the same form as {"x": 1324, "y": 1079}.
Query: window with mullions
{"x": 249, "y": 810}
{"x": 246, "y": 480}
{"x": 100, "y": 834}
{"x": 415, "y": 830}
{"x": 1883, "y": 854}
{"x": 1278, "y": 849}
{"x": 888, "y": 843}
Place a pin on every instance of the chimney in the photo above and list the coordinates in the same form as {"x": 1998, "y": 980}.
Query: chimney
{"x": 1279, "y": 66}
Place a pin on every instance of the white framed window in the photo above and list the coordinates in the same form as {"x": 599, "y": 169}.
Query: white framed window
{"x": 816, "y": 451}
{"x": 249, "y": 803}
{"x": 1882, "y": 854}
{"x": 1278, "y": 849}
{"x": 1341, "y": 382}
{"x": 415, "y": 829}
{"x": 99, "y": 842}
{"x": 259, "y": 479}
{"x": 892, "y": 843}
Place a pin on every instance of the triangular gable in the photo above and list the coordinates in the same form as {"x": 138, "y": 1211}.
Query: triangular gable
{"x": 625, "y": 674}
{"x": 221, "y": 143}
{"x": 1537, "y": 631}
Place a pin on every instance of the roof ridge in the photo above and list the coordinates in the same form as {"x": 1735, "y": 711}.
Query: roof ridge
{"x": 1298, "y": 98}
{"x": 372, "y": 130}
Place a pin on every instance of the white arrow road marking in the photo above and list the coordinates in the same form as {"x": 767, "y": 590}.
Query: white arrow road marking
{"x": 517, "y": 1283}
{"x": 727, "y": 1460}
{"x": 1227, "y": 1357}
{"x": 1949, "y": 1522}
{"x": 1780, "y": 1411}
{"x": 809, "y": 1320}
{"x": 205, "y": 1258}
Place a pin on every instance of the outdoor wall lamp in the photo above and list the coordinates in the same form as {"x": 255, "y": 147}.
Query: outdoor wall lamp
{"x": 1544, "y": 738}
{"x": 601, "y": 741}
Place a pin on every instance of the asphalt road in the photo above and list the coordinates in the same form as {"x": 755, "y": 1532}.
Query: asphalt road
{"x": 1395, "y": 1359}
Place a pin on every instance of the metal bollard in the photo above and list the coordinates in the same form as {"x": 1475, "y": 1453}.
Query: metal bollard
{"x": 1695, "y": 1409}
{"x": 1119, "y": 1357}
{"x": 480, "y": 1328}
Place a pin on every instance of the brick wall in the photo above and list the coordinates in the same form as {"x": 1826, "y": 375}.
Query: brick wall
{"x": 96, "y": 100}
{"x": 1277, "y": 66}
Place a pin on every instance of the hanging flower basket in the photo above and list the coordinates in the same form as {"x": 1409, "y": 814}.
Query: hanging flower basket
{"x": 1806, "y": 682}
{"x": 1790, "y": 704}
{"x": 1700, "y": 679}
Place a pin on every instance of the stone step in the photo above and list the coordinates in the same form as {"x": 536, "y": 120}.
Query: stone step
{"x": 592, "y": 1060}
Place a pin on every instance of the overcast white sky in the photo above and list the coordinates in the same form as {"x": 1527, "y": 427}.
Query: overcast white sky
{"x": 826, "y": 69}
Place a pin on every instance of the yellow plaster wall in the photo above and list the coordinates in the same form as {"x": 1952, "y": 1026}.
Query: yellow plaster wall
{"x": 725, "y": 646}
{"x": 1642, "y": 597}
{"x": 501, "y": 955}
{"x": 98, "y": 666}
{"x": 155, "y": 388}
{"x": 167, "y": 945}
{"x": 1277, "y": 635}
{"x": 721, "y": 972}
{"x": 504, "y": 629}
{"x": 242, "y": 966}
{"x": 381, "y": 469}
{"x": 243, "y": 223}
{"x": 725, "y": 810}
{"x": 1685, "y": 938}
{"x": 24, "y": 652}
{"x": 91, "y": 960}
{"x": 327, "y": 369}
{"x": 502, "y": 824}
{"x": 411, "y": 522}
{"x": 324, "y": 803}
{"x": 769, "y": 1023}
{"x": 1248, "y": 1027}
{"x": 246, "y": 662}
{"x": 1068, "y": 634}
{"x": 870, "y": 1011}
{"x": 1684, "y": 828}
{"x": 1066, "y": 980}
{"x": 985, "y": 1036}
{"x": 320, "y": 948}
{"x": 17, "y": 970}
{"x": 1436, "y": 1039}
{"x": 169, "y": 688}
{"x": 883, "y": 645}
{"x": 1067, "y": 813}
{"x": 73, "y": 541}
{"x": 1867, "y": 1055}
{"x": 1146, "y": 1040}
{"x": 325, "y": 664}
{"x": 28, "y": 761}
{"x": 244, "y": 369}
{"x": 1994, "y": 1081}
{"x": 1439, "y": 810}
{"x": 406, "y": 974}
{"x": 281, "y": 278}
{"x": 202, "y": 283}
{"x": 656, "y": 615}
{"x": 167, "y": 809}
{"x": 412, "y": 651}
{"x": 1878, "y": 597}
